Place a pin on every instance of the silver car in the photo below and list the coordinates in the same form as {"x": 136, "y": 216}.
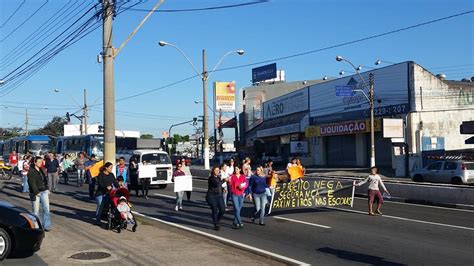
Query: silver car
{"x": 454, "y": 172}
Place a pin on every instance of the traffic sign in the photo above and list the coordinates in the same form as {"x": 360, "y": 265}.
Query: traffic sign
{"x": 345, "y": 91}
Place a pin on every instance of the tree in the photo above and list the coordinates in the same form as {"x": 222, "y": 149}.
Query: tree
{"x": 6, "y": 133}
{"x": 54, "y": 128}
{"x": 146, "y": 136}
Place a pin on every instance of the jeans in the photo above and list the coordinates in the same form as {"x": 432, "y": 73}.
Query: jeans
{"x": 272, "y": 190}
{"x": 25, "y": 186}
{"x": 216, "y": 203}
{"x": 43, "y": 199}
{"x": 66, "y": 177}
{"x": 91, "y": 188}
{"x": 98, "y": 211}
{"x": 238, "y": 201}
{"x": 260, "y": 200}
{"x": 80, "y": 177}
{"x": 53, "y": 180}
{"x": 224, "y": 197}
{"x": 145, "y": 185}
{"x": 179, "y": 199}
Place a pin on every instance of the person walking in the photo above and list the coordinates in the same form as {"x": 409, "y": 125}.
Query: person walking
{"x": 374, "y": 181}
{"x": 214, "y": 196}
{"x": 122, "y": 170}
{"x": 145, "y": 182}
{"x": 224, "y": 175}
{"x": 13, "y": 161}
{"x": 52, "y": 167}
{"x": 238, "y": 185}
{"x": 65, "y": 165}
{"x": 230, "y": 172}
{"x": 90, "y": 180}
{"x": 187, "y": 171}
{"x": 179, "y": 194}
{"x": 105, "y": 182}
{"x": 133, "y": 173}
{"x": 80, "y": 167}
{"x": 258, "y": 187}
{"x": 39, "y": 194}
{"x": 24, "y": 173}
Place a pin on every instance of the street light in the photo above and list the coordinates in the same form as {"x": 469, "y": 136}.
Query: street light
{"x": 370, "y": 99}
{"x": 204, "y": 76}
{"x": 378, "y": 62}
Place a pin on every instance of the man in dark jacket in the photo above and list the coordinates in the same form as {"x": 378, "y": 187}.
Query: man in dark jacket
{"x": 39, "y": 193}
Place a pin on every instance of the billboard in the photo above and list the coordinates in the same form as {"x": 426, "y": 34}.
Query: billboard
{"x": 224, "y": 96}
{"x": 390, "y": 90}
{"x": 290, "y": 103}
{"x": 264, "y": 72}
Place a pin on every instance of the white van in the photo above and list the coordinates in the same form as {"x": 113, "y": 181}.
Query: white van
{"x": 154, "y": 164}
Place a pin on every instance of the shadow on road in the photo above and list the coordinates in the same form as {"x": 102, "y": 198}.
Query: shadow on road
{"x": 358, "y": 257}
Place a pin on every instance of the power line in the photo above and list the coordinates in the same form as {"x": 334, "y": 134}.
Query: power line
{"x": 26, "y": 20}
{"x": 29, "y": 44}
{"x": 14, "y": 12}
{"x": 202, "y": 8}
{"x": 350, "y": 42}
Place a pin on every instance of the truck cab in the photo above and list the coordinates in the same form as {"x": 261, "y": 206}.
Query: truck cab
{"x": 156, "y": 165}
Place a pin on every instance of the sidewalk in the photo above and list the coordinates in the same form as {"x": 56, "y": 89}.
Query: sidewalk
{"x": 152, "y": 244}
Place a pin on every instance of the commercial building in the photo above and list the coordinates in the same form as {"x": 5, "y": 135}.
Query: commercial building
{"x": 429, "y": 110}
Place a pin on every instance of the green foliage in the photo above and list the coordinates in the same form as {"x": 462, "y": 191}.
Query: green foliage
{"x": 54, "y": 128}
{"x": 146, "y": 136}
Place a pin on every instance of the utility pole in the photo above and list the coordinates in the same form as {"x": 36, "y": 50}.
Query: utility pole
{"x": 26, "y": 122}
{"x": 108, "y": 83}
{"x": 84, "y": 112}
{"x": 372, "y": 134}
{"x": 204, "y": 106}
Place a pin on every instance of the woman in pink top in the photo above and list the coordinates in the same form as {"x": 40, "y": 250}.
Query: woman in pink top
{"x": 238, "y": 184}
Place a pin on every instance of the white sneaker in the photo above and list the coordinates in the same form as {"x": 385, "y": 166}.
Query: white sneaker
{"x": 176, "y": 208}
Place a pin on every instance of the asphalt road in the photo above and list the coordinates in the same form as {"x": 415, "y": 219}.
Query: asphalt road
{"x": 405, "y": 234}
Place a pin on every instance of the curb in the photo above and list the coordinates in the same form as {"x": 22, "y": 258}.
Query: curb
{"x": 259, "y": 252}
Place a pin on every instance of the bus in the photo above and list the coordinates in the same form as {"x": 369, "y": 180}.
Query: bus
{"x": 94, "y": 144}
{"x": 89, "y": 144}
{"x": 34, "y": 144}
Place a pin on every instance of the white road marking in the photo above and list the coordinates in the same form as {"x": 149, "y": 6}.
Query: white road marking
{"x": 406, "y": 219}
{"x": 301, "y": 222}
{"x": 224, "y": 240}
{"x": 165, "y": 196}
{"x": 420, "y": 205}
{"x": 200, "y": 180}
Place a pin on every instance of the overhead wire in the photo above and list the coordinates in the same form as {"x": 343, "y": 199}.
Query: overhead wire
{"x": 13, "y": 14}
{"x": 40, "y": 34}
{"x": 202, "y": 8}
{"x": 23, "y": 23}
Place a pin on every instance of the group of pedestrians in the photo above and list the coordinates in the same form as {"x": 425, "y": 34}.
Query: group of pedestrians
{"x": 235, "y": 183}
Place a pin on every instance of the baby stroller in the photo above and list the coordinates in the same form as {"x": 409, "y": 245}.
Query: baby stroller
{"x": 115, "y": 221}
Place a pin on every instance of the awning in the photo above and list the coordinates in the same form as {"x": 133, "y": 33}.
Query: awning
{"x": 281, "y": 125}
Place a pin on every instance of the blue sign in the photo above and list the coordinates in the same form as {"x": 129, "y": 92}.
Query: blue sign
{"x": 264, "y": 72}
{"x": 345, "y": 91}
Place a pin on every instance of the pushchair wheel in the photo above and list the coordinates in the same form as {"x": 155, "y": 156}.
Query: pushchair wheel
{"x": 119, "y": 229}
{"x": 134, "y": 228}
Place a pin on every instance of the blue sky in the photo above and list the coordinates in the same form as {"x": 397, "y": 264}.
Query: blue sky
{"x": 269, "y": 30}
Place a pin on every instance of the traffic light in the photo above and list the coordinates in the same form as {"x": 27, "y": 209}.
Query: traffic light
{"x": 195, "y": 119}
{"x": 68, "y": 117}
{"x": 467, "y": 127}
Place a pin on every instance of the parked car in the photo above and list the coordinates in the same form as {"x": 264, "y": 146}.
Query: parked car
{"x": 455, "y": 172}
{"x": 20, "y": 231}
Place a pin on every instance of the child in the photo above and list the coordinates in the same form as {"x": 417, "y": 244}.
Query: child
{"x": 374, "y": 192}
{"x": 124, "y": 210}
{"x": 121, "y": 182}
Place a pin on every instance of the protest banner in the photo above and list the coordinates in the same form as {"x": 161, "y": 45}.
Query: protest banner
{"x": 183, "y": 183}
{"x": 312, "y": 193}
